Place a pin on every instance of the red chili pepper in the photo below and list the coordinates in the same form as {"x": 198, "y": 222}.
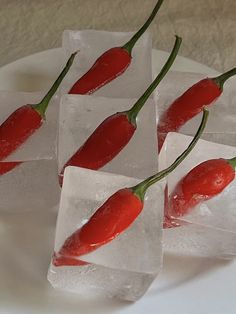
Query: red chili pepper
{"x": 112, "y": 63}
{"x": 190, "y": 104}
{"x": 203, "y": 182}
{"x": 24, "y": 121}
{"x": 8, "y": 166}
{"x": 114, "y": 133}
{"x": 117, "y": 213}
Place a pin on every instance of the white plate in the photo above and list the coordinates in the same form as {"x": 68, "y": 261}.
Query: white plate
{"x": 186, "y": 285}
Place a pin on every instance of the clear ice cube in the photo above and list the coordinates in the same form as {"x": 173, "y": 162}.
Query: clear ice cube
{"x": 42, "y": 144}
{"x": 209, "y": 229}
{"x": 221, "y": 126}
{"x": 123, "y": 268}
{"x": 33, "y": 183}
{"x": 92, "y": 43}
{"x": 80, "y": 116}
{"x": 200, "y": 241}
{"x": 30, "y": 186}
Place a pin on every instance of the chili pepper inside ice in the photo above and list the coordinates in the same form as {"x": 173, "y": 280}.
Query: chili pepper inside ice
{"x": 8, "y": 166}
{"x": 203, "y": 182}
{"x": 112, "y": 63}
{"x": 117, "y": 213}
{"x": 24, "y": 121}
{"x": 190, "y": 104}
{"x": 114, "y": 133}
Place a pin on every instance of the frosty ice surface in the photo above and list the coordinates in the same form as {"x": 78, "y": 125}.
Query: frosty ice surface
{"x": 221, "y": 126}
{"x": 80, "y": 116}
{"x": 31, "y": 186}
{"x": 123, "y": 268}
{"x": 91, "y": 44}
{"x": 199, "y": 240}
{"x": 209, "y": 229}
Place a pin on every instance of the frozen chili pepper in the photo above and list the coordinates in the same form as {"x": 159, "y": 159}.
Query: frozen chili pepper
{"x": 111, "y": 63}
{"x": 8, "y": 166}
{"x": 117, "y": 213}
{"x": 190, "y": 104}
{"x": 203, "y": 182}
{"x": 24, "y": 121}
{"x": 114, "y": 133}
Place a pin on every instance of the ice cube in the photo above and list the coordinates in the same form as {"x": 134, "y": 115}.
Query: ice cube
{"x": 221, "y": 126}
{"x": 80, "y": 116}
{"x": 209, "y": 229}
{"x": 126, "y": 266}
{"x": 30, "y": 186}
{"x": 42, "y": 144}
{"x": 192, "y": 239}
{"x": 92, "y": 43}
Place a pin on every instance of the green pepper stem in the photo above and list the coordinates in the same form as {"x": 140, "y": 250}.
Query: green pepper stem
{"x": 42, "y": 106}
{"x": 130, "y": 44}
{"x": 133, "y": 112}
{"x": 221, "y": 79}
{"x": 141, "y": 188}
{"x": 232, "y": 162}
